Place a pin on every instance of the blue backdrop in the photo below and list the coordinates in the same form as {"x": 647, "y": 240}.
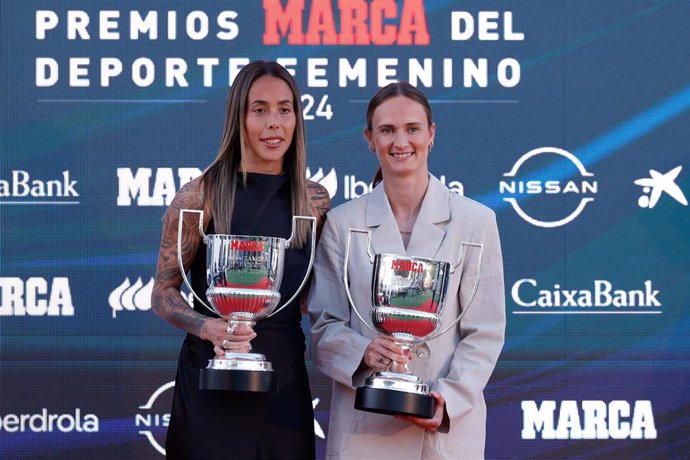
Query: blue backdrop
{"x": 569, "y": 118}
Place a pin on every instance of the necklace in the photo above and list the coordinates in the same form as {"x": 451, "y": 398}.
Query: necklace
{"x": 405, "y": 233}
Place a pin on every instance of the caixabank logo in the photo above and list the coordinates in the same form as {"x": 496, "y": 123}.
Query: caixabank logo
{"x": 600, "y": 297}
{"x": 25, "y": 188}
{"x": 659, "y": 184}
{"x": 535, "y": 187}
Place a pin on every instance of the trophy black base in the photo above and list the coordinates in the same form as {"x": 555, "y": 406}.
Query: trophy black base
{"x": 236, "y": 380}
{"x": 394, "y": 402}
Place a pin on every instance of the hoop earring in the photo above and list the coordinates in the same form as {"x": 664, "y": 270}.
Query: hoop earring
{"x": 372, "y": 149}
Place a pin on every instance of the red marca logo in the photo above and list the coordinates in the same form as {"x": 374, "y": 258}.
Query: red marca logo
{"x": 239, "y": 245}
{"x": 408, "y": 266}
{"x": 378, "y": 22}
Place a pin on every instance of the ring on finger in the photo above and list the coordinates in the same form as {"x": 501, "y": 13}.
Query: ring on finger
{"x": 224, "y": 344}
{"x": 231, "y": 328}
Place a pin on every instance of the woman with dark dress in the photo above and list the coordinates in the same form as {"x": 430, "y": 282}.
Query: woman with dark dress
{"x": 253, "y": 187}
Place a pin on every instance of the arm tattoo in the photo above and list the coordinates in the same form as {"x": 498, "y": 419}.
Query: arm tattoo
{"x": 319, "y": 197}
{"x": 166, "y": 300}
{"x": 320, "y": 202}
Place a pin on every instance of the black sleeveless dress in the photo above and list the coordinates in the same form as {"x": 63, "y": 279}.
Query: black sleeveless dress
{"x": 208, "y": 425}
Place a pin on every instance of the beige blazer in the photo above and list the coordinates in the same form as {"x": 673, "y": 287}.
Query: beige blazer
{"x": 458, "y": 364}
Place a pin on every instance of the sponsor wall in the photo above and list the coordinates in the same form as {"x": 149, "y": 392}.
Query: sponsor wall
{"x": 569, "y": 119}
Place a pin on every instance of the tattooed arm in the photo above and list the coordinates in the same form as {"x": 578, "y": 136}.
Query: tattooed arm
{"x": 320, "y": 203}
{"x": 166, "y": 299}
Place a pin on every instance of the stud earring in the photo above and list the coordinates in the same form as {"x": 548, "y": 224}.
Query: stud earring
{"x": 372, "y": 149}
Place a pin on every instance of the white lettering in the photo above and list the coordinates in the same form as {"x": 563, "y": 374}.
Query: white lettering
{"x": 21, "y": 298}
{"x": 601, "y": 296}
{"x": 45, "y": 20}
{"x": 588, "y": 420}
{"x": 137, "y": 185}
{"x": 488, "y": 26}
{"x": 45, "y": 422}
{"x": 47, "y": 72}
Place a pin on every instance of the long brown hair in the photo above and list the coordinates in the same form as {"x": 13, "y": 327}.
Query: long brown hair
{"x": 221, "y": 177}
{"x": 400, "y": 88}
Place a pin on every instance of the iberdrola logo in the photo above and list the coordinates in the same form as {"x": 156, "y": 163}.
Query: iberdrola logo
{"x": 329, "y": 181}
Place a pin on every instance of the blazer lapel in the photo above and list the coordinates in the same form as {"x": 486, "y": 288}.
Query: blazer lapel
{"x": 379, "y": 218}
{"x": 427, "y": 235}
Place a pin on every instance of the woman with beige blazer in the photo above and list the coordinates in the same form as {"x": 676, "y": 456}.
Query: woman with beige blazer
{"x": 412, "y": 213}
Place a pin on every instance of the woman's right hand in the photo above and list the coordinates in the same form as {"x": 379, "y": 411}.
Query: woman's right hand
{"x": 383, "y": 353}
{"x": 227, "y": 336}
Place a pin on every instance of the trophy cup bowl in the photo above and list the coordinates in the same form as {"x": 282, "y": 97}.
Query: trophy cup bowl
{"x": 408, "y": 295}
{"x": 244, "y": 274}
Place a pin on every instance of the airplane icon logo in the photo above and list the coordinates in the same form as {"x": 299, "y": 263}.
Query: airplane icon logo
{"x": 656, "y": 184}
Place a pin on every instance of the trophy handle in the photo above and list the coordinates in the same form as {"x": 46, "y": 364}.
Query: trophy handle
{"x": 474, "y": 290}
{"x": 288, "y": 244}
{"x": 346, "y": 280}
{"x": 179, "y": 248}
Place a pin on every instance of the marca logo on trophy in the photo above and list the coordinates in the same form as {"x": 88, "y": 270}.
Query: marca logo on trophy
{"x": 244, "y": 274}
{"x": 408, "y": 295}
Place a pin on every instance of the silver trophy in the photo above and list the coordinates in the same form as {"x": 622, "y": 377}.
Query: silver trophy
{"x": 244, "y": 275}
{"x": 407, "y": 299}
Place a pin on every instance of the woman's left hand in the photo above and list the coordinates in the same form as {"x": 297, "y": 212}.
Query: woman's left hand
{"x": 235, "y": 338}
{"x": 428, "y": 424}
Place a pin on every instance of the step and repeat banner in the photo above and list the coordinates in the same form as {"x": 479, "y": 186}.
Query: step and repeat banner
{"x": 570, "y": 119}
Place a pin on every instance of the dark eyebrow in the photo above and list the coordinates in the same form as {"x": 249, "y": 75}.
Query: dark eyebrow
{"x": 261, "y": 101}
{"x": 414, "y": 123}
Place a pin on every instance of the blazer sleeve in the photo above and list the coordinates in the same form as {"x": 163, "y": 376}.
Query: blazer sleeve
{"x": 481, "y": 331}
{"x": 337, "y": 349}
